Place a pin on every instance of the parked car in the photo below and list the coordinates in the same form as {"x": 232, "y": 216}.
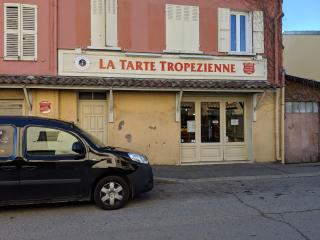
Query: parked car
{"x": 46, "y": 160}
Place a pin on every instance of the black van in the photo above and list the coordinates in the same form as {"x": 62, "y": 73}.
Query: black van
{"x": 46, "y": 160}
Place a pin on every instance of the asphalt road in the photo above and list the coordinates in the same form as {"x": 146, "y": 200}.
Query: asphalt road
{"x": 250, "y": 209}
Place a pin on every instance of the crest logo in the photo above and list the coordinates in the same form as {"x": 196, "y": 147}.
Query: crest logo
{"x": 249, "y": 68}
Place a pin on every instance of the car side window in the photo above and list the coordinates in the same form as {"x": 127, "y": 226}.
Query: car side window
{"x": 7, "y": 142}
{"x": 42, "y": 141}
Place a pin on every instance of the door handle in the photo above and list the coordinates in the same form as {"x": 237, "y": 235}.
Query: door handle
{"x": 8, "y": 168}
{"x": 30, "y": 168}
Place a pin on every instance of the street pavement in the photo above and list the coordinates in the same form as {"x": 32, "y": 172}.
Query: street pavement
{"x": 207, "y": 202}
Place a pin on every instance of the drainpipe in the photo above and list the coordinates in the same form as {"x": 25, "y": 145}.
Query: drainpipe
{"x": 276, "y": 71}
{"x": 282, "y": 122}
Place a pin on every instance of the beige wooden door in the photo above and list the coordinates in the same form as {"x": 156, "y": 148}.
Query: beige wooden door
{"x": 93, "y": 118}
{"x": 213, "y": 130}
{"x": 11, "y": 108}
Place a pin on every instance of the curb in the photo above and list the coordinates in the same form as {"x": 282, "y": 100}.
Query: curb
{"x": 237, "y": 178}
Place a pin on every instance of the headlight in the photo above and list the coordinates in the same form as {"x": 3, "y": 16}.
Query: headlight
{"x": 138, "y": 158}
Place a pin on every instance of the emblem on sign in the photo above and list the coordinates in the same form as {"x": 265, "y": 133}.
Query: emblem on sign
{"x": 45, "y": 107}
{"x": 82, "y": 63}
{"x": 249, "y": 68}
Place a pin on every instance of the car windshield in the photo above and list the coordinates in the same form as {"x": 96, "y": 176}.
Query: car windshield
{"x": 91, "y": 138}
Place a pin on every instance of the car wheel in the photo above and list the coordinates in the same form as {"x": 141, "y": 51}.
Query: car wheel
{"x": 111, "y": 193}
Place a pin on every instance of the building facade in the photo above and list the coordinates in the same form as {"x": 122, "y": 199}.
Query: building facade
{"x": 183, "y": 81}
{"x": 302, "y": 124}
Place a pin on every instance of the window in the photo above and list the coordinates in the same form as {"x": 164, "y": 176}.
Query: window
{"x": 182, "y": 28}
{"x": 92, "y": 95}
{"x": 20, "y": 32}
{"x": 104, "y": 28}
{"x": 302, "y": 107}
{"x": 240, "y": 32}
{"x": 188, "y": 122}
{"x": 7, "y": 144}
{"x": 11, "y": 107}
{"x": 41, "y": 141}
{"x": 235, "y": 122}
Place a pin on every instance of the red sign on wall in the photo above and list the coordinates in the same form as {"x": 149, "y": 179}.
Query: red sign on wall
{"x": 249, "y": 68}
{"x": 45, "y": 107}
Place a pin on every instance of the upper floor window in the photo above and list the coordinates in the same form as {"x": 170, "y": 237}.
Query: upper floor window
{"x": 239, "y": 39}
{"x": 104, "y": 23}
{"x": 241, "y": 32}
{"x": 20, "y": 31}
{"x": 182, "y": 28}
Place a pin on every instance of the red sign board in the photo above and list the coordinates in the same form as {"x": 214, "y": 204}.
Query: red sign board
{"x": 45, "y": 107}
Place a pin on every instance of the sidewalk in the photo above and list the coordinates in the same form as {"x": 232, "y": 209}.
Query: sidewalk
{"x": 233, "y": 172}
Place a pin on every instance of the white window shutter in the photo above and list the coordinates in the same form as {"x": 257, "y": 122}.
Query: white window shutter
{"x": 111, "y": 23}
{"x": 191, "y": 41}
{"x": 28, "y": 32}
{"x": 98, "y": 31}
{"x": 172, "y": 33}
{"x": 223, "y": 29}
{"x": 258, "y": 32}
{"x": 12, "y": 31}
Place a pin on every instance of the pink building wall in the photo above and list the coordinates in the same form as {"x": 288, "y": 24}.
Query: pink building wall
{"x": 46, "y": 63}
{"x": 141, "y": 25}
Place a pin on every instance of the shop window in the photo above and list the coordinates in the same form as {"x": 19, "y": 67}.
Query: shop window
{"x": 240, "y": 32}
{"x": 49, "y": 142}
{"x": 302, "y": 107}
{"x": 6, "y": 141}
{"x": 92, "y": 95}
{"x": 188, "y": 122}
{"x": 20, "y": 32}
{"x": 210, "y": 122}
{"x": 235, "y": 122}
{"x": 182, "y": 28}
{"x": 104, "y": 23}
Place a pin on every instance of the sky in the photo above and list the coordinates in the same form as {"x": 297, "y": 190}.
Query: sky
{"x": 301, "y": 15}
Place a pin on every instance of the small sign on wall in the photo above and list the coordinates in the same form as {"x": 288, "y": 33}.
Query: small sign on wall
{"x": 45, "y": 107}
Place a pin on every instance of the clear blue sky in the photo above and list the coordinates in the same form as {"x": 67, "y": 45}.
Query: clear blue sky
{"x": 301, "y": 15}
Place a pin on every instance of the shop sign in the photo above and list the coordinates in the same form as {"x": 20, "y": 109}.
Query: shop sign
{"x": 45, "y": 107}
{"x": 106, "y": 64}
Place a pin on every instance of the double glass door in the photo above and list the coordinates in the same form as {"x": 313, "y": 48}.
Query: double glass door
{"x": 213, "y": 130}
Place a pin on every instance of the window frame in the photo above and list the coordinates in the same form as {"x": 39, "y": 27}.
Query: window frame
{"x": 20, "y": 32}
{"x": 248, "y": 33}
{"x": 14, "y": 148}
{"x": 48, "y": 158}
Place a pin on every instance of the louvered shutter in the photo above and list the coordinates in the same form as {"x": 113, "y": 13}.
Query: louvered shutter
{"x": 11, "y": 31}
{"x": 111, "y": 23}
{"x": 223, "y": 29}
{"x": 98, "y": 30}
{"x": 173, "y": 34}
{"x": 28, "y": 32}
{"x": 191, "y": 28}
{"x": 258, "y": 32}
{"x": 249, "y": 34}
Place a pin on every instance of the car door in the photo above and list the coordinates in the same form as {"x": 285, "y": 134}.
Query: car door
{"x": 53, "y": 168}
{"x": 9, "y": 176}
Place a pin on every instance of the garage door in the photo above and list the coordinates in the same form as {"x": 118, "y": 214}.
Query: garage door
{"x": 11, "y": 108}
{"x": 302, "y": 132}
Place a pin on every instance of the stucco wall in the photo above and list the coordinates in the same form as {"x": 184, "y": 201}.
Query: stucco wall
{"x": 146, "y": 122}
{"x": 264, "y": 130}
{"x": 302, "y": 55}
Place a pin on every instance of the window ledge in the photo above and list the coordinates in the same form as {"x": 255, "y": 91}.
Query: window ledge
{"x": 182, "y": 52}
{"x": 242, "y": 54}
{"x": 104, "y": 48}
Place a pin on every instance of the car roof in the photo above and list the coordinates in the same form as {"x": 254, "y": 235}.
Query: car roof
{"x": 21, "y": 121}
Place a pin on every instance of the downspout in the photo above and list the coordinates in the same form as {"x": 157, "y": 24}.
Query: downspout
{"x": 283, "y": 122}
{"x": 276, "y": 72}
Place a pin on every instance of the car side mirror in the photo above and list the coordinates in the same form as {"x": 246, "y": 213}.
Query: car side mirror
{"x": 79, "y": 148}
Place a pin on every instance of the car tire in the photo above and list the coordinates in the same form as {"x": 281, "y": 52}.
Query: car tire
{"x": 111, "y": 193}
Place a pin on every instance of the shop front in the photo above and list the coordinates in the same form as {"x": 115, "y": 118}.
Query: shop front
{"x": 174, "y": 109}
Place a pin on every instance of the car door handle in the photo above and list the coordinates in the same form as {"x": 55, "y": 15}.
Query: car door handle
{"x": 30, "y": 168}
{"x": 8, "y": 168}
